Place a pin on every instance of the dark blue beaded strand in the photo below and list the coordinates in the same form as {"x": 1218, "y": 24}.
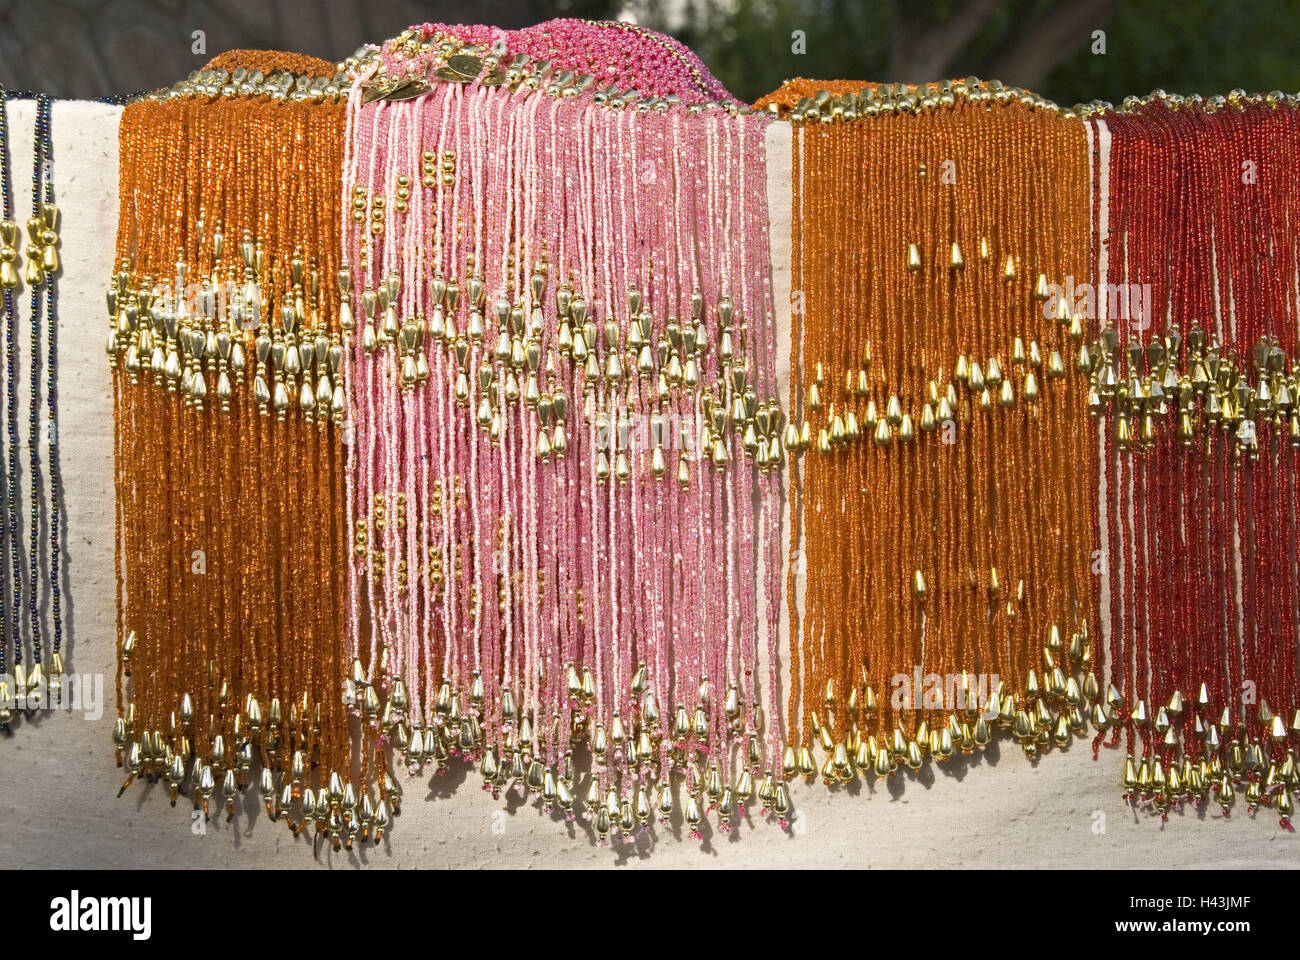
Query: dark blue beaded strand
{"x": 8, "y": 519}
{"x": 33, "y": 416}
{"x": 53, "y": 475}
{"x": 33, "y": 409}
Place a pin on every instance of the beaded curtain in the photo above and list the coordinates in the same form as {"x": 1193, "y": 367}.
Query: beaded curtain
{"x": 224, "y": 340}
{"x": 941, "y": 496}
{"x": 564, "y": 474}
{"x": 1199, "y": 438}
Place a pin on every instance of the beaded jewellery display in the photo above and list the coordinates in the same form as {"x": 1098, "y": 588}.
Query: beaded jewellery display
{"x": 1194, "y": 384}
{"x": 34, "y": 678}
{"x": 565, "y": 475}
{"x": 940, "y": 498}
{"x": 225, "y": 341}
{"x": 450, "y": 431}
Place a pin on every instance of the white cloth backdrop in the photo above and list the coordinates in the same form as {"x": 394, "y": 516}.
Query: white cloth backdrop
{"x": 58, "y": 784}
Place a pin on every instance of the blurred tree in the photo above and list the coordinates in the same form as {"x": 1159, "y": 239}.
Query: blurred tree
{"x": 89, "y": 48}
{"x": 1048, "y": 46}
{"x": 1189, "y": 46}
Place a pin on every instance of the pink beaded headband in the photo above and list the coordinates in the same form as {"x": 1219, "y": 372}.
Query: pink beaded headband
{"x": 612, "y": 53}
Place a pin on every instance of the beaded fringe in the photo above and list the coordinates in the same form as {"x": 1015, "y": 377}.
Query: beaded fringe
{"x": 947, "y": 594}
{"x": 449, "y": 432}
{"x": 223, "y": 342}
{"x": 565, "y": 471}
{"x": 1198, "y": 439}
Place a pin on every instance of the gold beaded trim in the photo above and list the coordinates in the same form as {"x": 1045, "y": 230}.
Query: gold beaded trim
{"x": 202, "y": 348}
{"x": 884, "y": 99}
{"x": 457, "y": 62}
{"x": 1237, "y": 98}
{"x": 612, "y": 359}
{"x": 242, "y": 82}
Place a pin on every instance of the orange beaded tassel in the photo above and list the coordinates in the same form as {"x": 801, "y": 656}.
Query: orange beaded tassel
{"x": 226, "y": 339}
{"x": 942, "y": 483}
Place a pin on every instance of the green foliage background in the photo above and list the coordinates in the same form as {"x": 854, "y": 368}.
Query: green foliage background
{"x": 1183, "y": 46}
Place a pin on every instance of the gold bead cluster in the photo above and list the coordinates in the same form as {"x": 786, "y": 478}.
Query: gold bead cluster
{"x": 42, "y": 249}
{"x": 825, "y": 106}
{"x": 1207, "y": 394}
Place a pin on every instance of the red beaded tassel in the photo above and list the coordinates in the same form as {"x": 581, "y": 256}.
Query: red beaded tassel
{"x": 1194, "y": 382}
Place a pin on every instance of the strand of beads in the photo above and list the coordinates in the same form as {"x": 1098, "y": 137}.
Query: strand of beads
{"x": 1202, "y": 432}
{"x": 571, "y": 590}
{"x": 49, "y": 213}
{"x": 227, "y": 342}
{"x": 9, "y": 280}
{"x": 931, "y": 372}
{"x": 36, "y": 277}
